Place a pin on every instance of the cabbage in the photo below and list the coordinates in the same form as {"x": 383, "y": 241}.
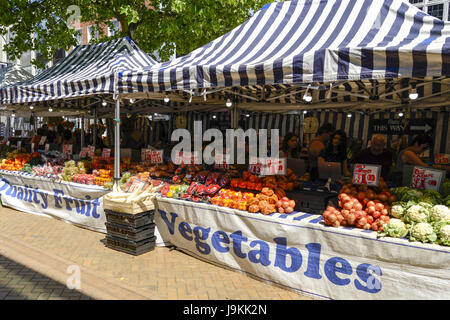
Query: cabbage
{"x": 395, "y": 228}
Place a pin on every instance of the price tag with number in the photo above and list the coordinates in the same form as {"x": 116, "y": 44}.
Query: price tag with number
{"x": 67, "y": 149}
{"x": 91, "y": 151}
{"x": 274, "y": 166}
{"x": 106, "y": 154}
{"x": 255, "y": 166}
{"x": 442, "y": 158}
{"x": 146, "y": 154}
{"x": 47, "y": 148}
{"x": 83, "y": 152}
{"x": 427, "y": 179}
{"x": 157, "y": 156}
{"x": 367, "y": 174}
{"x": 136, "y": 185}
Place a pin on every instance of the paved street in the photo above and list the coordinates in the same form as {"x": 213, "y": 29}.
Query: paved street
{"x": 40, "y": 255}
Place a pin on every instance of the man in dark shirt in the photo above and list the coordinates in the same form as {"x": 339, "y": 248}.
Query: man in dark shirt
{"x": 376, "y": 154}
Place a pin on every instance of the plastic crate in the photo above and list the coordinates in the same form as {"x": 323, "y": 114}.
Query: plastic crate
{"x": 130, "y": 233}
{"x": 131, "y": 247}
{"x": 130, "y": 220}
{"x": 314, "y": 202}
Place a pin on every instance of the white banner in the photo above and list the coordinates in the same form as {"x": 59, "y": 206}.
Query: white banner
{"x": 75, "y": 203}
{"x": 298, "y": 251}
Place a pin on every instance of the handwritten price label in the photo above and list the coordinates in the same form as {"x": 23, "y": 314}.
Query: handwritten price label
{"x": 427, "y": 179}
{"x": 106, "y": 154}
{"x": 255, "y": 166}
{"x": 67, "y": 149}
{"x": 157, "y": 156}
{"x": 220, "y": 163}
{"x": 366, "y": 174}
{"x": 442, "y": 158}
{"x": 187, "y": 157}
{"x": 146, "y": 155}
{"x": 136, "y": 185}
{"x": 91, "y": 151}
{"x": 274, "y": 166}
{"x": 83, "y": 152}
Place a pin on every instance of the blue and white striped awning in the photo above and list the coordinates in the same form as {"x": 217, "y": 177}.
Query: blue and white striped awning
{"x": 310, "y": 41}
{"x": 88, "y": 70}
{"x": 13, "y": 74}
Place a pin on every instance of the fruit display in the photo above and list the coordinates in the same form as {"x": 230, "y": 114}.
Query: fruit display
{"x": 251, "y": 181}
{"x": 361, "y": 206}
{"x": 15, "y": 161}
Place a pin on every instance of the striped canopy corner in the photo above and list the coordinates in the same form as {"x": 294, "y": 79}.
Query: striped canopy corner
{"x": 13, "y": 74}
{"x": 310, "y": 41}
{"x": 87, "y": 70}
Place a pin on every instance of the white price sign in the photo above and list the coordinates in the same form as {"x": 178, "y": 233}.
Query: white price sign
{"x": 157, "y": 156}
{"x": 427, "y": 179}
{"x": 19, "y": 145}
{"x": 442, "y": 158}
{"x": 367, "y": 174}
{"x": 83, "y": 152}
{"x": 146, "y": 154}
{"x": 106, "y": 154}
{"x": 255, "y": 166}
{"x": 91, "y": 151}
{"x": 274, "y": 166}
{"x": 67, "y": 149}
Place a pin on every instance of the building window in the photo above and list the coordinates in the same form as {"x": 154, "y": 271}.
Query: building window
{"x": 92, "y": 33}
{"x": 416, "y": 1}
{"x": 79, "y": 36}
{"x": 115, "y": 29}
{"x": 436, "y": 10}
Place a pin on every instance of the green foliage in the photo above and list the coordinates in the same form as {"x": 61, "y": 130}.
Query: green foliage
{"x": 155, "y": 25}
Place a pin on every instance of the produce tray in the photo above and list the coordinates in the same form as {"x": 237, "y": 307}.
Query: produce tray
{"x": 311, "y": 201}
{"x": 132, "y": 208}
{"x": 130, "y": 233}
{"x": 130, "y": 220}
{"x": 130, "y": 247}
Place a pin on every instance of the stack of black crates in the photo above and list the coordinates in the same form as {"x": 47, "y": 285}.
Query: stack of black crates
{"x": 130, "y": 233}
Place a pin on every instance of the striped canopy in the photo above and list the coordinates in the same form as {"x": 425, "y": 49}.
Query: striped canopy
{"x": 13, "y": 74}
{"x": 88, "y": 70}
{"x": 310, "y": 41}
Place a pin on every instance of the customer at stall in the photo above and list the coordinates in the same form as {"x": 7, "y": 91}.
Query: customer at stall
{"x": 410, "y": 156}
{"x": 377, "y": 154}
{"x": 336, "y": 151}
{"x": 317, "y": 145}
{"x": 68, "y": 139}
{"x": 289, "y": 146}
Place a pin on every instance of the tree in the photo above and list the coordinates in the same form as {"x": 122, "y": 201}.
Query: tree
{"x": 155, "y": 25}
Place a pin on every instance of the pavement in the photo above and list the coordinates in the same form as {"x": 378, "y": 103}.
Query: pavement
{"x": 44, "y": 258}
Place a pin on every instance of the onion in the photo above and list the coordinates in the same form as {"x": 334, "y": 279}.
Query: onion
{"x": 367, "y": 226}
{"x": 281, "y": 210}
{"x": 332, "y": 217}
{"x": 371, "y": 210}
{"x": 340, "y": 217}
{"x": 289, "y": 209}
{"x": 348, "y": 205}
{"x": 379, "y": 207}
{"x": 385, "y": 212}
{"x": 370, "y": 204}
{"x": 291, "y": 203}
{"x": 362, "y": 221}
{"x": 392, "y": 198}
{"x": 358, "y": 206}
{"x": 382, "y": 197}
{"x": 377, "y": 214}
{"x": 369, "y": 219}
{"x": 336, "y": 224}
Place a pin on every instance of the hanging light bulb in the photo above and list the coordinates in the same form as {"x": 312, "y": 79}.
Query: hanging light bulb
{"x": 247, "y": 115}
{"x": 31, "y": 107}
{"x": 305, "y": 112}
{"x": 307, "y": 96}
{"x": 349, "y": 115}
{"x": 413, "y": 95}
{"x": 166, "y": 99}
{"x": 104, "y": 103}
{"x": 400, "y": 114}
{"x": 229, "y": 103}
{"x": 131, "y": 100}
{"x": 214, "y": 116}
{"x": 50, "y": 109}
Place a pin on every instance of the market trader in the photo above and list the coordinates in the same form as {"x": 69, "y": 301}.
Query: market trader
{"x": 376, "y": 154}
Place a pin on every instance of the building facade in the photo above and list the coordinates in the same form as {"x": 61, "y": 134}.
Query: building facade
{"x": 437, "y": 8}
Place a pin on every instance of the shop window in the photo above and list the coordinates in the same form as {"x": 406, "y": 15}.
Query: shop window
{"x": 436, "y": 10}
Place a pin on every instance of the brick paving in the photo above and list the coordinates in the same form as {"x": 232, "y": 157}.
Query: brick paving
{"x": 35, "y": 252}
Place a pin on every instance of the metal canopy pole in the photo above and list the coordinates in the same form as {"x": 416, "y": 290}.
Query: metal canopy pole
{"x": 82, "y": 132}
{"x": 94, "y": 133}
{"x": 117, "y": 142}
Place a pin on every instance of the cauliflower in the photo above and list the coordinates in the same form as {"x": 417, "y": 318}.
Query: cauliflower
{"x": 440, "y": 212}
{"x": 423, "y": 232}
{"x": 416, "y": 213}
{"x": 397, "y": 211}
{"x": 444, "y": 235}
{"x": 395, "y": 228}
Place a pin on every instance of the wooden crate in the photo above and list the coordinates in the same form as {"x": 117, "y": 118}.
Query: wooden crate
{"x": 131, "y": 208}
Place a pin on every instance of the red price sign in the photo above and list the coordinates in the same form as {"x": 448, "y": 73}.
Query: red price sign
{"x": 367, "y": 174}
{"x": 67, "y": 149}
{"x": 274, "y": 166}
{"x": 91, "y": 151}
{"x": 255, "y": 166}
{"x": 427, "y": 179}
{"x": 157, "y": 156}
{"x": 106, "y": 154}
{"x": 83, "y": 152}
{"x": 442, "y": 158}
